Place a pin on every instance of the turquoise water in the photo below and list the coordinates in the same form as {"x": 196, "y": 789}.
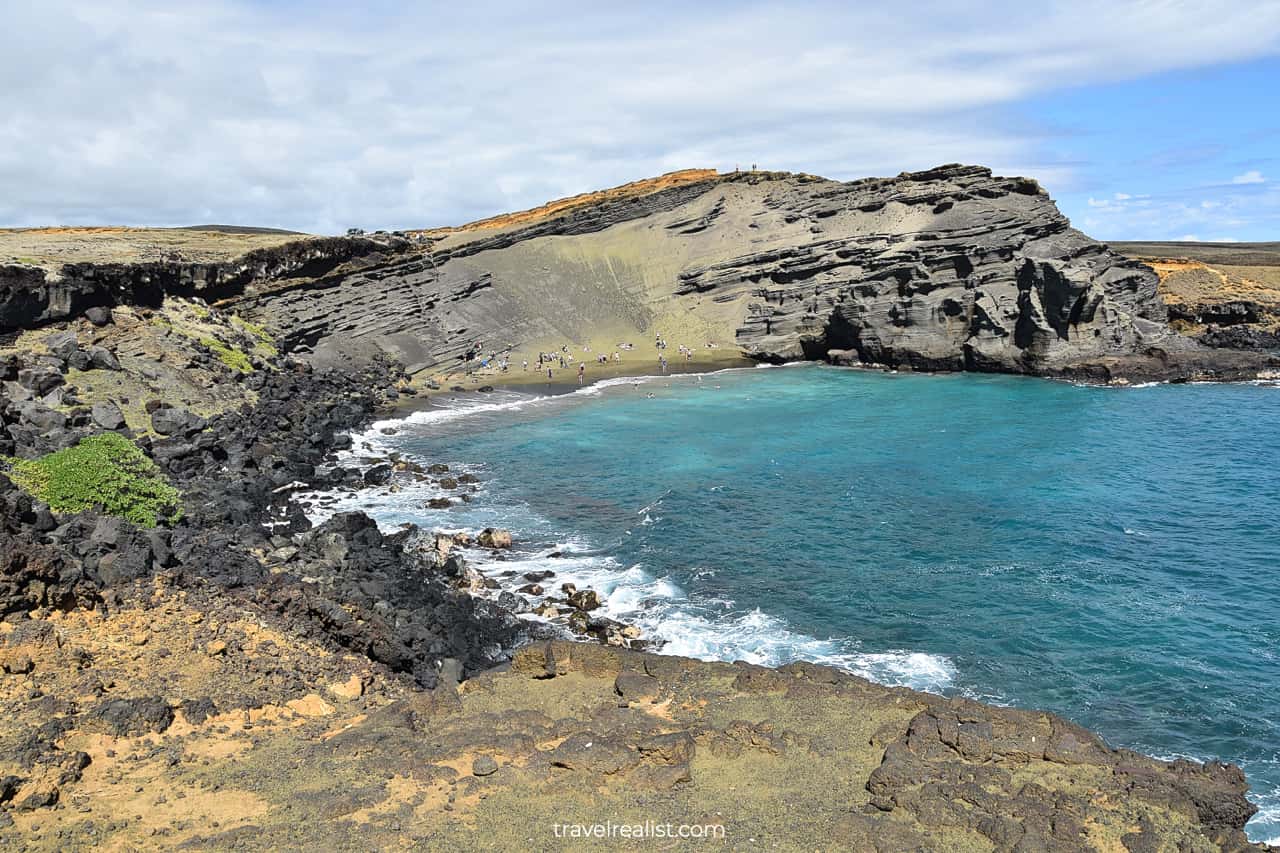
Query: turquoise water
{"x": 1108, "y": 554}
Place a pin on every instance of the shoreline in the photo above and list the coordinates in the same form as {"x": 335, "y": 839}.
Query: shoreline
{"x": 311, "y": 647}
{"x": 562, "y": 389}
{"x": 425, "y": 400}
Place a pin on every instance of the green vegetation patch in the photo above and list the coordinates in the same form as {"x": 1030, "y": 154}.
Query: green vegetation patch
{"x": 106, "y": 471}
{"x": 228, "y": 355}
{"x": 252, "y": 328}
{"x": 264, "y": 345}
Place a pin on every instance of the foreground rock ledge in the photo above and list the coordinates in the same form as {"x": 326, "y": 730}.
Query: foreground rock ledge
{"x": 802, "y": 757}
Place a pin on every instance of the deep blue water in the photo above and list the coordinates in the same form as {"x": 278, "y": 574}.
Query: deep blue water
{"x": 1108, "y": 554}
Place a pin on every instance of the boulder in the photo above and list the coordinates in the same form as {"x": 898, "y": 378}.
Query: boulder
{"x": 125, "y": 717}
{"x": 513, "y": 603}
{"x": 493, "y": 537}
{"x": 108, "y": 415}
{"x": 636, "y": 686}
{"x": 40, "y": 379}
{"x": 171, "y": 421}
{"x": 378, "y": 475}
{"x": 99, "y": 315}
{"x": 43, "y": 419}
{"x": 585, "y": 599}
{"x": 62, "y": 344}
{"x": 101, "y": 358}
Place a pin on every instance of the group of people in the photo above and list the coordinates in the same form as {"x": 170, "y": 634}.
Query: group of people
{"x": 563, "y": 358}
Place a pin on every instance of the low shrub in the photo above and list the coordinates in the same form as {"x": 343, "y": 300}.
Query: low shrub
{"x": 105, "y": 471}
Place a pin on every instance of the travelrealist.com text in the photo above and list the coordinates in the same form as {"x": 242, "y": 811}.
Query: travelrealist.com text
{"x": 645, "y": 829}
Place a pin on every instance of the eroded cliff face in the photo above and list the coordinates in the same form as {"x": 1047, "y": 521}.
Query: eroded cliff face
{"x": 947, "y": 269}
{"x": 30, "y": 297}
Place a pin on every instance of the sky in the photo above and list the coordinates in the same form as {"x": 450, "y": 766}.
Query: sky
{"x": 1153, "y": 120}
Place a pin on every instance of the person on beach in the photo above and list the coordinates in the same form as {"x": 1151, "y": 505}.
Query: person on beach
{"x": 582, "y": 371}
{"x": 548, "y": 372}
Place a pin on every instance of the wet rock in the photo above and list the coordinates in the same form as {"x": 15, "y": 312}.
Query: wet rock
{"x": 439, "y": 503}
{"x": 539, "y": 577}
{"x": 513, "y": 603}
{"x": 378, "y": 475}
{"x": 585, "y": 599}
{"x": 530, "y": 589}
{"x": 492, "y": 537}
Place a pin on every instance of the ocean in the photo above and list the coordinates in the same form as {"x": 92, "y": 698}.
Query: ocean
{"x": 1109, "y": 554}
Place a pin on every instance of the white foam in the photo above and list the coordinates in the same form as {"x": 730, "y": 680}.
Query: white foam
{"x": 455, "y": 409}
{"x": 712, "y": 628}
{"x": 1268, "y": 814}
{"x": 467, "y": 404}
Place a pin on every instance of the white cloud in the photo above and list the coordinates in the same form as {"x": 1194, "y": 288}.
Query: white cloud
{"x": 1123, "y": 196}
{"x": 1253, "y": 176}
{"x": 1189, "y": 238}
{"x": 389, "y": 115}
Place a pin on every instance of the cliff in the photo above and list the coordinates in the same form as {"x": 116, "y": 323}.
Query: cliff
{"x": 948, "y": 269}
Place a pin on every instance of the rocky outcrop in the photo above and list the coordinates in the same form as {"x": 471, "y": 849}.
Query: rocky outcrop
{"x": 30, "y": 298}
{"x": 949, "y": 269}
{"x": 990, "y": 277}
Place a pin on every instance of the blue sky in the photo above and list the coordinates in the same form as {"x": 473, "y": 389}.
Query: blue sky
{"x": 1178, "y": 155}
{"x": 1148, "y": 119}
